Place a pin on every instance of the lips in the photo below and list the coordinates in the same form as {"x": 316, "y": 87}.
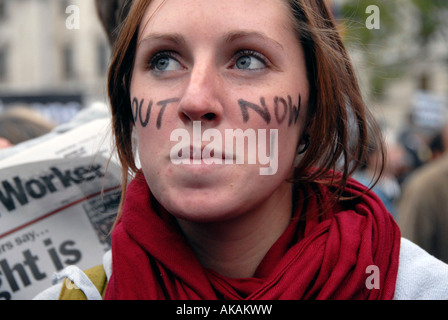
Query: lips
{"x": 190, "y": 154}
{"x": 206, "y": 153}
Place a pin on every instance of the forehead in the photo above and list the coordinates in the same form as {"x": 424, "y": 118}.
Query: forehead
{"x": 206, "y": 17}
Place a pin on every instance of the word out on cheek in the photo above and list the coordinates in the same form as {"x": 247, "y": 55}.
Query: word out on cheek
{"x": 142, "y": 115}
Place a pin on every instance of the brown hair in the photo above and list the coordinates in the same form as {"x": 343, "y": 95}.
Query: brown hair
{"x": 111, "y": 14}
{"x": 339, "y": 125}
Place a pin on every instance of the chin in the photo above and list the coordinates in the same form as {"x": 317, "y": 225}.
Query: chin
{"x": 211, "y": 211}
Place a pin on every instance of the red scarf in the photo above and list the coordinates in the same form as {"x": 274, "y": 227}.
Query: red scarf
{"x": 325, "y": 257}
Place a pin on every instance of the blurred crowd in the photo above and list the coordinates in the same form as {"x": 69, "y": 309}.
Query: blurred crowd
{"x": 423, "y": 204}
{"x": 414, "y": 185}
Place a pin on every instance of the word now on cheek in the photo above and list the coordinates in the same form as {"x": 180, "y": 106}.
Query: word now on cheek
{"x": 283, "y": 109}
{"x": 280, "y": 115}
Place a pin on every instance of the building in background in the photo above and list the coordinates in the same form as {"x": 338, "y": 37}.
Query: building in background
{"x": 53, "y": 56}
{"x": 403, "y": 63}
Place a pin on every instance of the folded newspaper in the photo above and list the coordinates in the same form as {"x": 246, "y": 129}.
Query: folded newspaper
{"x": 55, "y": 212}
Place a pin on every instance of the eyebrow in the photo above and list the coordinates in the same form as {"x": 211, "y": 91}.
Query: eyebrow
{"x": 235, "y": 35}
{"x": 170, "y": 37}
{"x": 229, "y": 37}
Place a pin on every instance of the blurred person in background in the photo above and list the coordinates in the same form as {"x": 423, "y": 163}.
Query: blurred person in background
{"x": 19, "y": 124}
{"x": 387, "y": 188}
{"x": 438, "y": 145}
{"x": 423, "y": 207}
{"x": 415, "y": 145}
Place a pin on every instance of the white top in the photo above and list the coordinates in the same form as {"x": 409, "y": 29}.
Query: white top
{"x": 420, "y": 277}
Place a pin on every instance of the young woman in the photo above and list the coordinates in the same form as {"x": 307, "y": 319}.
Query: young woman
{"x": 248, "y": 121}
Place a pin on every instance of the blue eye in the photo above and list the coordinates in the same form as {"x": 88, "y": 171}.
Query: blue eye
{"x": 249, "y": 60}
{"x": 163, "y": 61}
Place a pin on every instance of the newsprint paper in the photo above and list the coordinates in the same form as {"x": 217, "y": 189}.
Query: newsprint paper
{"x": 55, "y": 212}
{"x": 52, "y": 214}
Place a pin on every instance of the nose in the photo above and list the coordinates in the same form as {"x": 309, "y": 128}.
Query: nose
{"x": 200, "y": 101}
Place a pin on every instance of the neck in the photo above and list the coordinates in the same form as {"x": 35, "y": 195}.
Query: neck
{"x": 235, "y": 248}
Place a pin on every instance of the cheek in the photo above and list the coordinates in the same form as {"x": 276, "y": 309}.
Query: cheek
{"x": 284, "y": 118}
{"x": 288, "y": 140}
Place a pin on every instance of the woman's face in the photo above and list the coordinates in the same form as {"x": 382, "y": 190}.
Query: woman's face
{"x": 209, "y": 74}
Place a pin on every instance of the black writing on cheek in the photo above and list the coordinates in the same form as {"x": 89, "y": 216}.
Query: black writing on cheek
{"x": 279, "y": 112}
{"x": 145, "y": 122}
{"x": 142, "y": 117}
{"x": 294, "y": 110}
{"x": 135, "y": 106}
{"x": 262, "y": 111}
{"x": 163, "y": 105}
{"x": 278, "y": 100}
